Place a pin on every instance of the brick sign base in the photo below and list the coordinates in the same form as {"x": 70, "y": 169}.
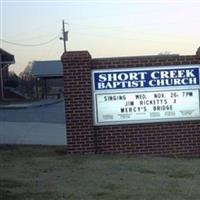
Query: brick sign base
{"x": 166, "y": 138}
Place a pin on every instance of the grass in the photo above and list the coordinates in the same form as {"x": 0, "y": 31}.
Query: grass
{"x": 39, "y": 172}
{"x": 9, "y": 183}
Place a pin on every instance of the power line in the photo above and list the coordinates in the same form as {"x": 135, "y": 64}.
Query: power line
{"x": 33, "y": 37}
{"x": 30, "y": 45}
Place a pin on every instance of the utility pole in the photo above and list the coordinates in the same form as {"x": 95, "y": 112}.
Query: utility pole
{"x": 65, "y": 35}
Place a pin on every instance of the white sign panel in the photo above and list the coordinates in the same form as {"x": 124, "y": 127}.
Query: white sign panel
{"x": 145, "y": 106}
{"x": 142, "y": 95}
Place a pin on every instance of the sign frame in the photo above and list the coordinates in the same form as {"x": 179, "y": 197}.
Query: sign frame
{"x": 138, "y": 90}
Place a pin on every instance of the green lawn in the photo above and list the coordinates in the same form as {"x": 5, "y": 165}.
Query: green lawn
{"x": 46, "y": 173}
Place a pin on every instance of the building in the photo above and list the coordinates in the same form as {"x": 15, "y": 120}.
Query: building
{"x": 49, "y": 78}
{"x": 6, "y": 59}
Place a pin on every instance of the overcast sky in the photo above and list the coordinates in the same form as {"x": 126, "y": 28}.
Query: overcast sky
{"x": 104, "y": 28}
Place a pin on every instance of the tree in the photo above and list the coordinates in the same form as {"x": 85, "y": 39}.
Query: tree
{"x": 165, "y": 53}
{"x": 27, "y": 81}
{"x": 13, "y": 80}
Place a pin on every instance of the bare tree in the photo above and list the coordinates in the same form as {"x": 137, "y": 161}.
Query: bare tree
{"x": 13, "y": 80}
{"x": 27, "y": 81}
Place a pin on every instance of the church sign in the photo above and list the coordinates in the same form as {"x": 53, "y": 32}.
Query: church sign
{"x": 142, "y": 95}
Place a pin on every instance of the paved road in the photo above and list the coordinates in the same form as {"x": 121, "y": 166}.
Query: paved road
{"x": 48, "y": 114}
{"x": 43, "y": 125}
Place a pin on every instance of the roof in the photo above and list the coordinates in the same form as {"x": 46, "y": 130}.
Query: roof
{"x": 6, "y": 58}
{"x": 47, "y": 69}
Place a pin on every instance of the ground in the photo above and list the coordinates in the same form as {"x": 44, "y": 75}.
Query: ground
{"x": 40, "y": 173}
{"x": 35, "y": 125}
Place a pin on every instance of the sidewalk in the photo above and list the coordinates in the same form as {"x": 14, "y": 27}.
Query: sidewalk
{"x": 34, "y": 104}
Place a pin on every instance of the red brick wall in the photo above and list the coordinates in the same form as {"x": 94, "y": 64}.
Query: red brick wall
{"x": 171, "y": 138}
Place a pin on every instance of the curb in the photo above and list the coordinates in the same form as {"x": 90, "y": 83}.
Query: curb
{"x": 29, "y": 105}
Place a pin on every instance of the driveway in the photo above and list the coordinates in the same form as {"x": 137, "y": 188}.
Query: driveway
{"x": 40, "y": 125}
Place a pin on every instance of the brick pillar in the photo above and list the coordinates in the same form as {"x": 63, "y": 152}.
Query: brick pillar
{"x": 78, "y": 102}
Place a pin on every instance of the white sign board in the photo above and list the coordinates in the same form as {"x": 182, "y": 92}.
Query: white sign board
{"x": 146, "y": 95}
{"x": 124, "y": 107}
